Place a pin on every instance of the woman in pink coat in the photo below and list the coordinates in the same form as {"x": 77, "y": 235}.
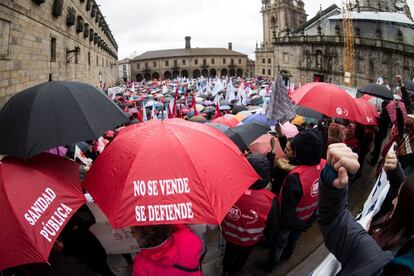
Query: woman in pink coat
{"x": 172, "y": 250}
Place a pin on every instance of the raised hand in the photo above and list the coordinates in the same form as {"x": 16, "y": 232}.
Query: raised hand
{"x": 344, "y": 161}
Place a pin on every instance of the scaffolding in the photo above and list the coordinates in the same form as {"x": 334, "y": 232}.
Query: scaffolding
{"x": 349, "y": 51}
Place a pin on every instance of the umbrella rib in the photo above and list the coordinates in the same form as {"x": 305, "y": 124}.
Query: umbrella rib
{"x": 83, "y": 115}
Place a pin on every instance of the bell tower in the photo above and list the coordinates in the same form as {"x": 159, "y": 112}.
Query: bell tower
{"x": 281, "y": 17}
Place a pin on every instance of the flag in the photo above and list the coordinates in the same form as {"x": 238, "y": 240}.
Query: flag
{"x": 217, "y": 102}
{"x": 153, "y": 112}
{"x": 239, "y": 93}
{"x": 100, "y": 145}
{"x": 193, "y": 105}
{"x": 218, "y": 87}
{"x": 82, "y": 157}
{"x": 230, "y": 91}
{"x": 380, "y": 81}
{"x": 164, "y": 89}
{"x": 280, "y": 107}
{"x": 144, "y": 113}
{"x": 174, "y": 111}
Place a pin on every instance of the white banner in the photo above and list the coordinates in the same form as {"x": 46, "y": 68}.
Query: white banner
{"x": 115, "y": 241}
{"x": 330, "y": 265}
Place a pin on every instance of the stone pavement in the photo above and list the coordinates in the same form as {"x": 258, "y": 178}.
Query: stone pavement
{"x": 308, "y": 254}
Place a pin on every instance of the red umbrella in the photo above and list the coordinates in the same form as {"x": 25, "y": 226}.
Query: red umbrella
{"x": 327, "y": 99}
{"x": 227, "y": 121}
{"x": 367, "y": 111}
{"x": 168, "y": 172}
{"x": 37, "y": 199}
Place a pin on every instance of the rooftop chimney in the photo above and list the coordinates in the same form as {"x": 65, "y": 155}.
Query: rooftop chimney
{"x": 230, "y": 46}
{"x": 188, "y": 42}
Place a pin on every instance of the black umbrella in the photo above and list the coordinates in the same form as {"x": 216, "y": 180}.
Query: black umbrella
{"x": 409, "y": 85}
{"x": 244, "y": 135}
{"x": 238, "y": 108}
{"x": 53, "y": 114}
{"x": 377, "y": 90}
{"x": 307, "y": 112}
{"x": 219, "y": 127}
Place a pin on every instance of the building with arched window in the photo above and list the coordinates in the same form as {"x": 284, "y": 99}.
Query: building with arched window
{"x": 313, "y": 50}
{"x": 188, "y": 62}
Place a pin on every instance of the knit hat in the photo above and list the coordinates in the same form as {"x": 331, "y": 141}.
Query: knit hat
{"x": 308, "y": 147}
{"x": 262, "y": 166}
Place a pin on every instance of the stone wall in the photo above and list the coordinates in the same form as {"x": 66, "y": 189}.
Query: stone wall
{"x": 26, "y": 33}
{"x": 304, "y": 58}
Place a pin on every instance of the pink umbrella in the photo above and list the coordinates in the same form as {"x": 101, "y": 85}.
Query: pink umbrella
{"x": 262, "y": 145}
{"x": 60, "y": 151}
{"x": 289, "y": 130}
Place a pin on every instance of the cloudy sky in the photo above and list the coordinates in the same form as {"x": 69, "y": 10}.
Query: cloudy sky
{"x": 140, "y": 26}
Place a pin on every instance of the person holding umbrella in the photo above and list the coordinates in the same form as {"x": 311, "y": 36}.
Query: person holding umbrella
{"x": 299, "y": 195}
{"x": 245, "y": 223}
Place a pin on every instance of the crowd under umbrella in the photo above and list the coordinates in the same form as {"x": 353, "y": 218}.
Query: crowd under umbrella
{"x": 377, "y": 90}
{"x": 55, "y": 113}
{"x": 187, "y": 180}
{"x": 244, "y": 135}
{"x": 30, "y": 230}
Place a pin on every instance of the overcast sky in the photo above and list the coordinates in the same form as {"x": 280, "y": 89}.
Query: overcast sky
{"x": 140, "y": 26}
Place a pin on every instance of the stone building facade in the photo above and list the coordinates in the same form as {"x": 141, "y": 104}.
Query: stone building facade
{"x": 188, "y": 62}
{"x": 313, "y": 51}
{"x": 124, "y": 70}
{"x": 54, "y": 39}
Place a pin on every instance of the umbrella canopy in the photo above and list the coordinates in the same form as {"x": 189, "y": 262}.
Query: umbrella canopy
{"x": 227, "y": 121}
{"x": 262, "y": 145}
{"x": 198, "y": 119}
{"x": 327, "y": 99}
{"x": 409, "y": 85}
{"x": 37, "y": 199}
{"x": 377, "y": 90}
{"x": 207, "y": 103}
{"x": 298, "y": 121}
{"x": 244, "y": 135}
{"x": 225, "y": 107}
{"x": 289, "y": 130}
{"x": 259, "y": 118}
{"x": 168, "y": 172}
{"x": 367, "y": 111}
{"x": 199, "y": 107}
{"x": 238, "y": 108}
{"x": 219, "y": 127}
{"x": 53, "y": 114}
{"x": 307, "y": 112}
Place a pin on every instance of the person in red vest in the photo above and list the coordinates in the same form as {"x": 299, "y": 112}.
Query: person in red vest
{"x": 245, "y": 223}
{"x": 299, "y": 196}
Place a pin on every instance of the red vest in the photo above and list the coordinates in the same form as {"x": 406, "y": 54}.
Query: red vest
{"x": 245, "y": 222}
{"x": 309, "y": 178}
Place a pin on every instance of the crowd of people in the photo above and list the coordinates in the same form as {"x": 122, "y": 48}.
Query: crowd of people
{"x": 306, "y": 183}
